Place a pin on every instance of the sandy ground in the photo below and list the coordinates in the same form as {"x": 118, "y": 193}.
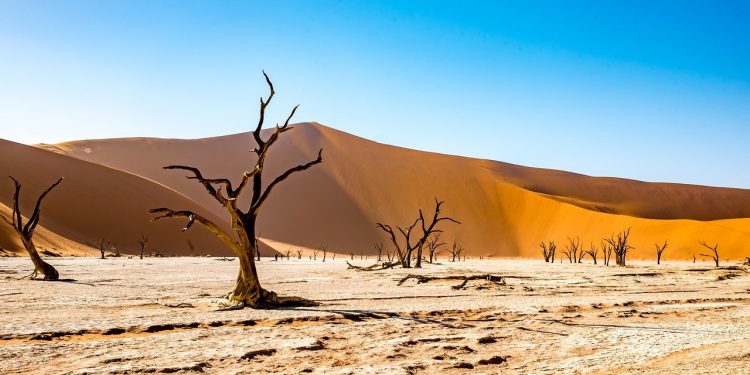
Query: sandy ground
{"x": 159, "y": 316}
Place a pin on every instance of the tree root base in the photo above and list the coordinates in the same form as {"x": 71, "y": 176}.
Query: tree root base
{"x": 266, "y": 300}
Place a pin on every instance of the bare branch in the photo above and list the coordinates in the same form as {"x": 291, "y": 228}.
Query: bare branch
{"x": 256, "y": 205}
{"x": 34, "y": 219}
{"x": 192, "y": 218}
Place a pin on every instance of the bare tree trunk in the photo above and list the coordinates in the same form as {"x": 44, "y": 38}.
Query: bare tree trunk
{"x": 26, "y": 231}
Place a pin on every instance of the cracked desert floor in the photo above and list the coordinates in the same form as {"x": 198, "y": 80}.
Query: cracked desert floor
{"x": 159, "y": 316}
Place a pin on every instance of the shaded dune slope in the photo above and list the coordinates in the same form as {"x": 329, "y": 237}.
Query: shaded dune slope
{"x": 96, "y": 201}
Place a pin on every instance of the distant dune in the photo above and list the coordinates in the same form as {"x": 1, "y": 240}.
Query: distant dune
{"x": 505, "y": 209}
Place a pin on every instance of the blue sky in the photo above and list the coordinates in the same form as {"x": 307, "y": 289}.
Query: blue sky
{"x": 650, "y": 90}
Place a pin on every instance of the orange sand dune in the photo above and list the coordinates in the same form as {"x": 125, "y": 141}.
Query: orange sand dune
{"x": 96, "y": 201}
{"x": 505, "y": 209}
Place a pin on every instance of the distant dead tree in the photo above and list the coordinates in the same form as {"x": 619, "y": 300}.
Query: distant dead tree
{"x": 26, "y": 231}
{"x": 379, "y": 248}
{"x": 455, "y": 252}
{"x": 693, "y": 258}
{"x": 324, "y": 249}
{"x": 102, "y": 245}
{"x": 247, "y": 291}
{"x": 548, "y": 251}
{"x": 299, "y": 253}
{"x": 620, "y": 246}
{"x": 660, "y": 250}
{"x": 315, "y": 254}
{"x": 143, "y": 241}
{"x": 390, "y": 255}
{"x": 407, "y": 251}
{"x": 606, "y": 252}
{"x": 593, "y": 252}
{"x": 714, "y": 252}
{"x": 288, "y": 253}
{"x": 433, "y": 246}
{"x": 574, "y": 250}
{"x": 351, "y": 254}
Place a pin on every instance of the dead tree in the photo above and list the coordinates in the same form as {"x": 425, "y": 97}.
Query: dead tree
{"x": 257, "y": 248}
{"x": 606, "y": 252}
{"x": 407, "y": 251}
{"x": 573, "y": 250}
{"x": 351, "y": 254}
{"x": 315, "y": 254}
{"x": 620, "y": 246}
{"x": 390, "y": 255}
{"x": 433, "y": 246}
{"x": 714, "y": 252}
{"x": 247, "y": 291}
{"x": 143, "y": 241}
{"x": 593, "y": 252}
{"x": 299, "y": 253}
{"x": 102, "y": 245}
{"x": 456, "y": 251}
{"x": 548, "y": 251}
{"x": 660, "y": 250}
{"x": 26, "y": 231}
{"x": 324, "y": 249}
{"x": 379, "y": 248}
{"x": 288, "y": 253}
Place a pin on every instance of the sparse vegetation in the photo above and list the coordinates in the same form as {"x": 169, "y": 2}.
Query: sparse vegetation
{"x": 407, "y": 251}
{"x": 143, "y": 241}
{"x": 620, "y": 246}
{"x": 548, "y": 251}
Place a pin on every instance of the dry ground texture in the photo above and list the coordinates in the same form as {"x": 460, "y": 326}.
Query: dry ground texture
{"x": 159, "y": 316}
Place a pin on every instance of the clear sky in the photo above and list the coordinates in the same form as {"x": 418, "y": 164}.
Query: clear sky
{"x": 651, "y": 90}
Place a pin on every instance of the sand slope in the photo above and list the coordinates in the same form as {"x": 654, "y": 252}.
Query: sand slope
{"x": 95, "y": 201}
{"x": 505, "y": 209}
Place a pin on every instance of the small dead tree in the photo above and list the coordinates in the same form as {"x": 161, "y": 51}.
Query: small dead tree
{"x": 26, "y": 231}
{"x": 351, "y": 254}
{"x": 548, "y": 251}
{"x": 573, "y": 250}
{"x": 324, "y": 250}
{"x": 390, "y": 255}
{"x": 299, "y": 253}
{"x": 660, "y": 250}
{"x": 606, "y": 252}
{"x": 433, "y": 246}
{"x": 315, "y": 254}
{"x": 379, "y": 248}
{"x": 102, "y": 245}
{"x": 593, "y": 252}
{"x": 407, "y": 251}
{"x": 288, "y": 253}
{"x": 714, "y": 252}
{"x": 455, "y": 251}
{"x": 143, "y": 241}
{"x": 620, "y": 246}
{"x": 247, "y": 290}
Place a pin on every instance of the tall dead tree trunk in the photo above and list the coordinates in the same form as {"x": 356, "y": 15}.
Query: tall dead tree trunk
{"x": 456, "y": 251}
{"x": 593, "y": 252}
{"x": 406, "y": 252}
{"x": 26, "y": 231}
{"x": 143, "y": 241}
{"x": 660, "y": 250}
{"x": 247, "y": 290}
{"x": 102, "y": 246}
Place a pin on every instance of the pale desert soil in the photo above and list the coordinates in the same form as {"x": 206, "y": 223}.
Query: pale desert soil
{"x": 158, "y": 316}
